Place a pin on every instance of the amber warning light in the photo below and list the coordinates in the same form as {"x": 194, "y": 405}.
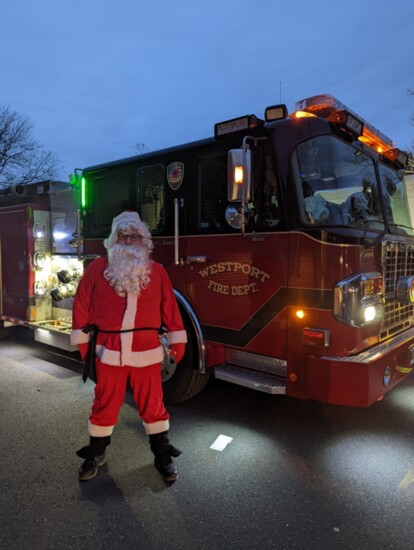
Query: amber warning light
{"x": 238, "y": 175}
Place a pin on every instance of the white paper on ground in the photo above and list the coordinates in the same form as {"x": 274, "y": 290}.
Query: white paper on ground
{"x": 221, "y": 442}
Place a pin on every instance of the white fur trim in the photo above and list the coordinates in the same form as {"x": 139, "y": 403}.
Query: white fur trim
{"x": 99, "y": 431}
{"x": 156, "y": 427}
{"x": 79, "y": 337}
{"x": 108, "y": 356}
{"x": 126, "y": 218}
{"x": 128, "y": 322}
{"x": 177, "y": 337}
{"x": 131, "y": 358}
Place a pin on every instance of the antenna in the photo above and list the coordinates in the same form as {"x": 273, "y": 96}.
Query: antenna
{"x": 280, "y": 91}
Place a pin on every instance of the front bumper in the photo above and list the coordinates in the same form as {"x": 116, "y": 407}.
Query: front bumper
{"x": 361, "y": 379}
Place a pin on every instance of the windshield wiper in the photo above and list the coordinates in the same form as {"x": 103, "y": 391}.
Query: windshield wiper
{"x": 401, "y": 225}
{"x": 377, "y": 239}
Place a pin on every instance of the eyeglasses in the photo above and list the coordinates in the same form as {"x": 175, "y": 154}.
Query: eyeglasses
{"x": 133, "y": 238}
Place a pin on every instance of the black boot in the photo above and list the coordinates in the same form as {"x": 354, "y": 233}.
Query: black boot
{"x": 94, "y": 455}
{"x": 163, "y": 452}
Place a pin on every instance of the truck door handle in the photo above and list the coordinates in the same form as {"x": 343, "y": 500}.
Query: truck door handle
{"x": 196, "y": 259}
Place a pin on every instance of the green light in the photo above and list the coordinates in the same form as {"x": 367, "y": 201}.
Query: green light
{"x": 83, "y": 193}
{"x": 73, "y": 178}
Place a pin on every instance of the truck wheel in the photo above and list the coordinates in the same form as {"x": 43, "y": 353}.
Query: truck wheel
{"x": 182, "y": 381}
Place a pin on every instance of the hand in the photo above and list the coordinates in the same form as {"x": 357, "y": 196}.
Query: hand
{"x": 83, "y": 349}
{"x": 177, "y": 351}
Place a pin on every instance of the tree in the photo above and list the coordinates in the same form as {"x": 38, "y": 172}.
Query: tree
{"x": 140, "y": 148}
{"x": 22, "y": 159}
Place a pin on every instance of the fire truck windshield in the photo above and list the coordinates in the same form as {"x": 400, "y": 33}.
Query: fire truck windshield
{"x": 337, "y": 185}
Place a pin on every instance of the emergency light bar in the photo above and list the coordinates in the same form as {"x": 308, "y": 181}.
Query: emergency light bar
{"x": 236, "y": 125}
{"x": 352, "y": 123}
{"x": 399, "y": 156}
{"x": 328, "y": 107}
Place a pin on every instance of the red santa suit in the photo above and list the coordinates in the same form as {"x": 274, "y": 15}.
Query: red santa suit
{"x": 128, "y": 356}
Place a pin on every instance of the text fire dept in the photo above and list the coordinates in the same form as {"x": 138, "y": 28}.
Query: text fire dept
{"x": 234, "y": 290}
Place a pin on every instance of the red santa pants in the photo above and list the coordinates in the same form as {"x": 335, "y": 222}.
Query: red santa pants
{"x": 110, "y": 393}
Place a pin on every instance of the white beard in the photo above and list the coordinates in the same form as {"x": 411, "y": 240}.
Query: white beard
{"x": 128, "y": 268}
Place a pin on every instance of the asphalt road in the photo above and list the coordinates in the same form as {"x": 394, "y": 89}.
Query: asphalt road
{"x": 297, "y": 475}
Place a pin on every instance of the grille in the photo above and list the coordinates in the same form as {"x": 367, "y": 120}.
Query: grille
{"x": 398, "y": 261}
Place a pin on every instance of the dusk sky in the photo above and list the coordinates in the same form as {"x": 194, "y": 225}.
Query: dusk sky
{"x": 96, "y": 77}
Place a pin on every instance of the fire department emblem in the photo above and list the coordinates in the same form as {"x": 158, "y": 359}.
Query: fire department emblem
{"x": 175, "y": 175}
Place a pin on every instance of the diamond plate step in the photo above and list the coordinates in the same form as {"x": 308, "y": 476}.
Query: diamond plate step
{"x": 253, "y": 379}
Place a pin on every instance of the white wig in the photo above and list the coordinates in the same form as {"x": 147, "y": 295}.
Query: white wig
{"x": 125, "y": 221}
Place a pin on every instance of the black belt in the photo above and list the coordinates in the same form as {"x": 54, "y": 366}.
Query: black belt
{"x": 89, "y": 369}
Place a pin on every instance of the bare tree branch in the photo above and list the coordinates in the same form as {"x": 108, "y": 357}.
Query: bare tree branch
{"x": 140, "y": 148}
{"x": 22, "y": 159}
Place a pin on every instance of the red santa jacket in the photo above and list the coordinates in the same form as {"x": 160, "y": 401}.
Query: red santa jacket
{"x": 97, "y": 303}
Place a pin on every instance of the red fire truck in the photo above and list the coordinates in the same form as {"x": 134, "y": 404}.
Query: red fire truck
{"x": 290, "y": 245}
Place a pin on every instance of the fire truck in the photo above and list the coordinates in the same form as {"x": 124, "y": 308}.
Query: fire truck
{"x": 289, "y": 241}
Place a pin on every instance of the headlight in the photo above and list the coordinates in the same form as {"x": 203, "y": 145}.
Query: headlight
{"x": 371, "y": 312}
{"x": 358, "y": 299}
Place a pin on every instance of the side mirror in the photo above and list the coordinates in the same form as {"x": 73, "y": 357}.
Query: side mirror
{"x": 239, "y": 175}
{"x": 233, "y": 216}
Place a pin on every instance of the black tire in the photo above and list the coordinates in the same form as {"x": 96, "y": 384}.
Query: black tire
{"x": 186, "y": 381}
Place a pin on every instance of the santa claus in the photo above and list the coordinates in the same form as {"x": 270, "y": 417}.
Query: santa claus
{"x": 127, "y": 297}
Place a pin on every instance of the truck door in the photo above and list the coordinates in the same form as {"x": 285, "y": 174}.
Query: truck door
{"x": 237, "y": 284}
